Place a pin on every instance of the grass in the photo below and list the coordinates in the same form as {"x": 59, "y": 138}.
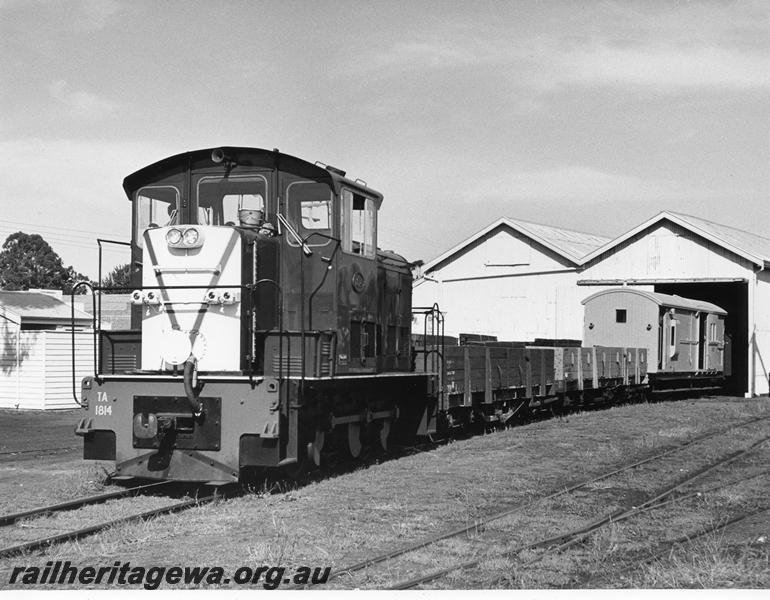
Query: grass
{"x": 709, "y": 562}
{"x": 340, "y": 520}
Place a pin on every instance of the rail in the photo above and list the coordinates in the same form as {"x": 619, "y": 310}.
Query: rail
{"x": 560, "y": 490}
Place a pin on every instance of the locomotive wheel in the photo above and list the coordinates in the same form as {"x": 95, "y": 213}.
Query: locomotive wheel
{"x": 315, "y": 447}
{"x": 384, "y": 433}
{"x": 354, "y": 439}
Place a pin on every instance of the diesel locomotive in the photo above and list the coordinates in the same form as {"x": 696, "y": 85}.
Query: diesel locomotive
{"x": 266, "y": 326}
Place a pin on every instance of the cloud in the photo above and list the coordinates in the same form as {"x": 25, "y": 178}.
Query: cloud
{"x": 79, "y": 190}
{"x": 74, "y": 15}
{"x": 438, "y": 53}
{"x": 665, "y": 66}
{"x": 582, "y": 184}
{"x": 670, "y": 49}
{"x": 93, "y": 15}
{"x": 79, "y": 103}
{"x": 547, "y": 64}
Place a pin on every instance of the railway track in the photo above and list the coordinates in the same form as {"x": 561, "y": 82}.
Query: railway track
{"x": 78, "y": 533}
{"x": 480, "y": 524}
{"x": 561, "y": 542}
{"x": 665, "y": 547}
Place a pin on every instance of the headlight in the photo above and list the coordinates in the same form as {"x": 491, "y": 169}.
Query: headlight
{"x": 191, "y": 237}
{"x": 173, "y": 237}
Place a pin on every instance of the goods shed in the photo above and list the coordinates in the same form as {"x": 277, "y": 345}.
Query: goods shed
{"x": 513, "y": 279}
{"x": 691, "y": 257}
{"x": 36, "y": 348}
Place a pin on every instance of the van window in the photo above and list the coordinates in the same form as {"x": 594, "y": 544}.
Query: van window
{"x": 672, "y": 348}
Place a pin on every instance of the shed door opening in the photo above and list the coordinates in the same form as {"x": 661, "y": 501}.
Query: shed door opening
{"x": 734, "y": 298}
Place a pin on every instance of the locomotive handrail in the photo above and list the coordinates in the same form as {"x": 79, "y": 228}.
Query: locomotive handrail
{"x": 161, "y": 269}
{"x": 437, "y": 348}
{"x": 436, "y": 319}
{"x": 280, "y": 329}
{"x": 285, "y": 222}
{"x": 99, "y": 242}
{"x": 170, "y": 287}
{"x": 303, "y": 243}
{"x": 330, "y": 260}
{"x": 72, "y": 332}
{"x": 95, "y": 288}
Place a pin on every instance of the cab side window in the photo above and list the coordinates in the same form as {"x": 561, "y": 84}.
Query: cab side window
{"x": 155, "y": 206}
{"x": 359, "y": 220}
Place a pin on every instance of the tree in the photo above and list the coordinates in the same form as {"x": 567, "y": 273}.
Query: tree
{"x": 119, "y": 277}
{"x": 28, "y": 261}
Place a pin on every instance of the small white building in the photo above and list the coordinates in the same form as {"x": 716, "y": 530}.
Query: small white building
{"x": 672, "y": 253}
{"x": 36, "y": 350}
{"x": 513, "y": 279}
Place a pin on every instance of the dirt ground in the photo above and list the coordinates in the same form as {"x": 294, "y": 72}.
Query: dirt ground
{"x": 41, "y": 459}
{"x": 34, "y": 430}
{"x": 339, "y": 520}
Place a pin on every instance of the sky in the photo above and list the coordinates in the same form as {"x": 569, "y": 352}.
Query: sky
{"x": 592, "y": 116}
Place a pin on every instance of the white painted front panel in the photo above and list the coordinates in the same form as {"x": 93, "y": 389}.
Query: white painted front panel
{"x": 214, "y": 328}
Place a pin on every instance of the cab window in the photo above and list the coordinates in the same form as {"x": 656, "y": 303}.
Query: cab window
{"x": 359, "y": 219}
{"x": 220, "y": 198}
{"x": 310, "y": 209}
{"x": 155, "y": 206}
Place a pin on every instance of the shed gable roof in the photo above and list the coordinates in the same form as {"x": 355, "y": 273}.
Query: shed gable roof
{"x": 754, "y": 248}
{"x": 568, "y": 244}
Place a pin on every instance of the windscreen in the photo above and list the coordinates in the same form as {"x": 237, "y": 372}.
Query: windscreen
{"x": 220, "y": 198}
